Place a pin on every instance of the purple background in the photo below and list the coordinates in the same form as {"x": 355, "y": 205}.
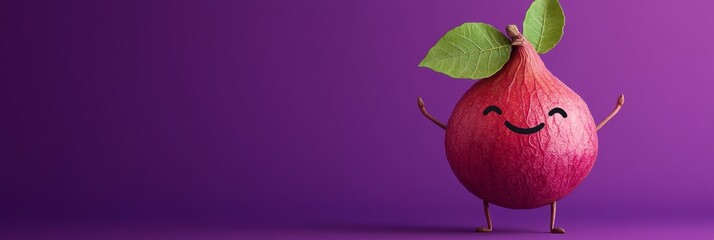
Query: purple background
{"x": 287, "y": 119}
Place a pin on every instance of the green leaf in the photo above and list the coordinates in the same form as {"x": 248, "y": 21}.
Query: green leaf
{"x": 543, "y": 25}
{"x": 472, "y": 50}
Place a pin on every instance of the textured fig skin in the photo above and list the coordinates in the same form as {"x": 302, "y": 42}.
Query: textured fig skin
{"x": 521, "y": 171}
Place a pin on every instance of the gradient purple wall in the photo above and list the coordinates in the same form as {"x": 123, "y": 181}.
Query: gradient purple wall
{"x": 283, "y": 112}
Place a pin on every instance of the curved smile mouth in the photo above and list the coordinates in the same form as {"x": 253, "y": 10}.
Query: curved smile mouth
{"x": 524, "y": 130}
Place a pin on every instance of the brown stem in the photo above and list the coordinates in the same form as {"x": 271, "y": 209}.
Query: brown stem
{"x": 515, "y": 35}
{"x": 420, "y": 103}
{"x": 620, "y": 102}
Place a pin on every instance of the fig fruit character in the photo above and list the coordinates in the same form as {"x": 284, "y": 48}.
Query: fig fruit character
{"x": 521, "y": 138}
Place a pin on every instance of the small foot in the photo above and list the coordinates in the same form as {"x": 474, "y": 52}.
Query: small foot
{"x": 557, "y": 230}
{"x": 483, "y": 229}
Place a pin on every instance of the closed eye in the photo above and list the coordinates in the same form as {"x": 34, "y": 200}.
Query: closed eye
{"x": 492, "y": 109}
{"x": 559, "y": 111}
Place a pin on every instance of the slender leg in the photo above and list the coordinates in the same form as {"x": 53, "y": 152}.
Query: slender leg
{"x": 488, "y": 219}
{"x": 554, "y": 229}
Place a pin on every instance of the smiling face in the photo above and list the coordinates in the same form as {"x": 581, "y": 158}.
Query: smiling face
{"x": 519, "y": 130}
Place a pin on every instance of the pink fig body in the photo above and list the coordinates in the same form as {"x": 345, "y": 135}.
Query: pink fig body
{"x": 521, "y": 138}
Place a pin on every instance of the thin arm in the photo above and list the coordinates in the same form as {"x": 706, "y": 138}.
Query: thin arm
{"x": 620, "y": 102}
{"x": 420, "y": 103}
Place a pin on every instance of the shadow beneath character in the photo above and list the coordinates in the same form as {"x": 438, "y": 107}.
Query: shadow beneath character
{"x": 424, "y": 229}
